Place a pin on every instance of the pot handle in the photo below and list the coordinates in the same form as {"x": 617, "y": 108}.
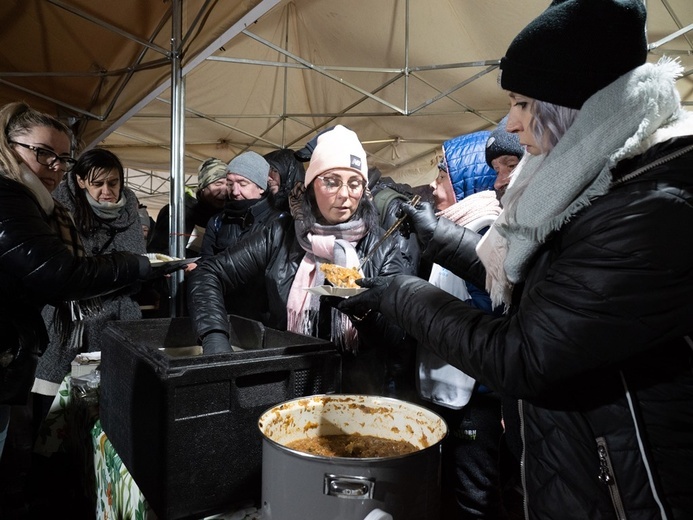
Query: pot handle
{"x": 348, "y": 487}
{"x": 378, "y": 514}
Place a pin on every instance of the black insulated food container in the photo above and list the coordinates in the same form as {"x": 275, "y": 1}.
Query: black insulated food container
{"x": 185, "y": 425}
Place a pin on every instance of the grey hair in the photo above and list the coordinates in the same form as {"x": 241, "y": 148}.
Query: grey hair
{"x": 550, "y": 122}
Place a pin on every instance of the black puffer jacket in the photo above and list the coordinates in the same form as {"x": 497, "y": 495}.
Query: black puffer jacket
{"x": 597, "y": 347}
{"x": 228, "y": 226}
{"x": 276, "y": 253}
{"x": 36, "y": 269}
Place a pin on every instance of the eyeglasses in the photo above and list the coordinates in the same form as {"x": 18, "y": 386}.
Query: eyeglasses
{"x": 47, "y": 157}
{"x": 334, "y": 184}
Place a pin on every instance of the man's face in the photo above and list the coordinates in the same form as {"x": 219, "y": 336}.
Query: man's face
{"x": 504, "y": 166}
{"x": 240, "y": 188}
{"x": 274, "y": 181}
{"x": 215, "y": 193}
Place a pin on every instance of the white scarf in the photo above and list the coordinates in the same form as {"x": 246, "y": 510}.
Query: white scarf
{"x": 616, "y": 123}
{"x": 34, "y": 184}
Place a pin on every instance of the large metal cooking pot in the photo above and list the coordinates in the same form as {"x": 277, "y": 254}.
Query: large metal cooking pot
{"x": 302, "y": 486}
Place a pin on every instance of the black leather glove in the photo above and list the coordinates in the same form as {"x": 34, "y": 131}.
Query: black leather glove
{"x": 148, "y": 272}
{"x": 216, "y": 343}
{"x": 423, "y": 219}
{"x": 362, "y": 305}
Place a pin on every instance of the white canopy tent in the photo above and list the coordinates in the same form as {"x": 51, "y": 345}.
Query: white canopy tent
{"x": 166, "y": 84}
{"x": 218, "y": 77}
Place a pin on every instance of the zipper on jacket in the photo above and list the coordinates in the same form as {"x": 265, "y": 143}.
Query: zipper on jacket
{"x": 673, "y": 155}
{"x": 606, "y": 477}
{"x": 523, "y": 478}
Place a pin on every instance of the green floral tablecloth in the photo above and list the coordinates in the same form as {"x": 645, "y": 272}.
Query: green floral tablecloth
{"x": 117, "y": 493}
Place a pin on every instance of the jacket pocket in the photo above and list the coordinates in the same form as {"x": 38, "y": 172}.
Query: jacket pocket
{"x": 607, "y": 477}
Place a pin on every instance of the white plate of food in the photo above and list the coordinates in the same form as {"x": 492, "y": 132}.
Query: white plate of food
{"x": 329, "y": 290}
{"x": 160, "y": 258}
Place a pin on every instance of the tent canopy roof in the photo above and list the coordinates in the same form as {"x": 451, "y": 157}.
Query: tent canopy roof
{"x": 266, "y": 74}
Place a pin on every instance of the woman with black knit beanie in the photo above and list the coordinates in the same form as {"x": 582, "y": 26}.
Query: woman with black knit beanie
{"x": 592, "y": 260}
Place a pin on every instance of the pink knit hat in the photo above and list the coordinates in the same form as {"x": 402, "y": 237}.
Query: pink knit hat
{"x": 338, "y": 148}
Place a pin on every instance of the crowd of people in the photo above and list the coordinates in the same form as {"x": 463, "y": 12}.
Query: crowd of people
{"x": 539, "y": 301}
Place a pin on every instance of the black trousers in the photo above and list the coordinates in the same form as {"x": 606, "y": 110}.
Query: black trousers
{"x": 472, "y": 481}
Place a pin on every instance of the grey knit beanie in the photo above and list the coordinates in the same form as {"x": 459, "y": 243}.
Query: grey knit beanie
{"x": 501, "y": 142}
{"x": 252, "y": 166}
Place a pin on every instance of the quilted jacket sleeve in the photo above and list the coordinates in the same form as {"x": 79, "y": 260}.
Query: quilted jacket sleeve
{"x": 454, "y": 248}
{"x": 34, "y": 258}
{"x": 234, "y": 267}
{"x": 613, "y": 283}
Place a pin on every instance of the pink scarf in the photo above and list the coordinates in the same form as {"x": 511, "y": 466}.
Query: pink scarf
{"x": 323, "y": 244}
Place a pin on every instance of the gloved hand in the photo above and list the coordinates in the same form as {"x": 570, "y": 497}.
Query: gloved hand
{"x": 216, "y": 343}
{"x": 424, "y": 220}
{"x": 148, "y": 272}
{"x": 361, "y": 305}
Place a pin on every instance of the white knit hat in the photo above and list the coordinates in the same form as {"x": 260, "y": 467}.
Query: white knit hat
{"x": 338, "y": 148}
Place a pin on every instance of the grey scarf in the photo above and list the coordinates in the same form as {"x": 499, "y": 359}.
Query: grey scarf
{"x": 616, "y": 123}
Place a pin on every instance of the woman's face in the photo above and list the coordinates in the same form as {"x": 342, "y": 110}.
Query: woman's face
{"x": 49, "y": 139}
{"x": 519, "y": 120}
{"x": 338, "y": 193}
{"x": 104, "y": 185}
{"x": 443, "y": 192}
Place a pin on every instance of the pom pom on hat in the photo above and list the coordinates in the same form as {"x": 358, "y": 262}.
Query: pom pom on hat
{"x": 501, "y": 142}
{"x": 252, "y": 166}
{"x": 574, "y": 49}
{"x": 338, "y": 148}
{"x": 210, "y": 171}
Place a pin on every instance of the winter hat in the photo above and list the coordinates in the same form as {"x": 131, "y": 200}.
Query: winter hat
{"x": 501, "y": 142}
{"x": 575, "y": 48}
{"x": 338, "y": 148}
{"x": 252, "y": 166}
{"x": 210, "y": 171}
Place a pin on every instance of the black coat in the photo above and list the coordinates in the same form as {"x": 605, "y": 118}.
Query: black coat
{"x": 228, "y": 228}
{"x": 36, "y": 268}
{"x": 594, "y": 347}
{"x": 274, "y": 253}
{"x": 197, "y": 212}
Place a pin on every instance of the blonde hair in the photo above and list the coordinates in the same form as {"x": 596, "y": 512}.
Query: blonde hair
{"x": 18, "y": 119}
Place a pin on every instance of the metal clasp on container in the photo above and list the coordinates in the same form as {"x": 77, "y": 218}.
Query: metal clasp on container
{"x": 348, "y": 487}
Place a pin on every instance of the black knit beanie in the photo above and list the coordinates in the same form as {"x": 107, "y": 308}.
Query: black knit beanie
{"x": 575, "y": 48}
{"x": 501, "y": 142}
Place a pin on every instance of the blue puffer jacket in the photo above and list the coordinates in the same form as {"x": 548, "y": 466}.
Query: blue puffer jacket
{"x": 465, "y": 158}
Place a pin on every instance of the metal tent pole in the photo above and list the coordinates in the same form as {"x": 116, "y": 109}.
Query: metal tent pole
{"x": 177, "y": 196}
